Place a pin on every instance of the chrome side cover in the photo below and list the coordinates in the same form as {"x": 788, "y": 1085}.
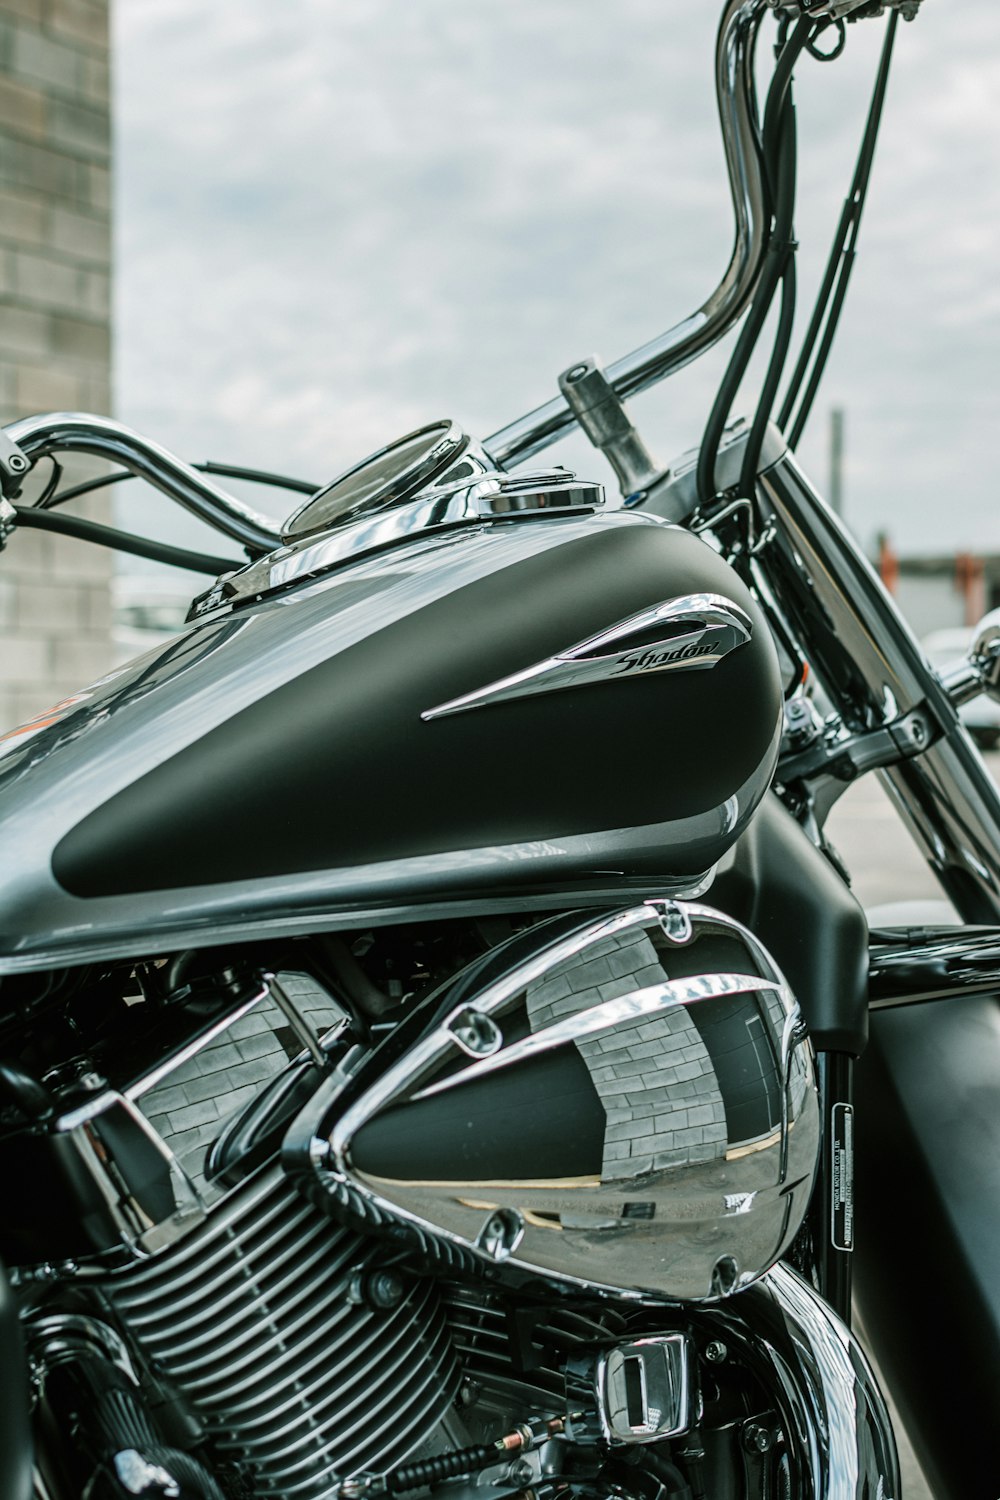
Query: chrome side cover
{"x": 695, "y": 631}
{"x": 622, "y": 1102}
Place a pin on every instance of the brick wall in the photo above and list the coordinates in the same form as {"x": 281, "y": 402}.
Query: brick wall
{"x": 55, "y": 327}
{"x": 654, "y": 1077}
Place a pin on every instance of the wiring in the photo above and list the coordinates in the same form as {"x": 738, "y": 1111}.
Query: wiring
{"x": 39, "y": 516}
{"x": 777, "y": 139}
{"x": 843, "y": 252}
{"x": 227, "y": 471}
{"x": 52, "y": 484}
{"x": 33, "y": 518}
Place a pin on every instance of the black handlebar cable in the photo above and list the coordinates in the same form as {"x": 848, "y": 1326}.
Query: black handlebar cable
{"x": 783, "y": 248}
{"x": 49, "y": 500}
{"x": 776, "y": 135}
{"x": 124, "y": 541}
{"x": 843, "y": 253}
{"x": 52, "y": 483}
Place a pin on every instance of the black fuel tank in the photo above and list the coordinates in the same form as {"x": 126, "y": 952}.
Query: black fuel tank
{"x": 291, "y": 751}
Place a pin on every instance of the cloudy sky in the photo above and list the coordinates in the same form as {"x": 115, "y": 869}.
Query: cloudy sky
{"x": 340, "y": 219}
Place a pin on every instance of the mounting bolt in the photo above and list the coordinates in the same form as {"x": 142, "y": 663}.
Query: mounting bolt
{"x": 379, "y": 1290}
{"x": 385, "y": 1289}
{"x": 757, "y": 1439}
{"x": 716, "y": 1352}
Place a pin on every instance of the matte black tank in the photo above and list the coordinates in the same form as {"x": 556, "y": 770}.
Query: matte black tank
{"x": 506, "y": 714}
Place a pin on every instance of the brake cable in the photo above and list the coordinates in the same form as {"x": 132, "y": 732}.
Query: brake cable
{"x": 843, "y": 253}
{"x": 777, "y": 139}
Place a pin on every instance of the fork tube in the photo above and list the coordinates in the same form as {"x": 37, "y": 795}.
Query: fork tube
{"x": 869, "y": 662}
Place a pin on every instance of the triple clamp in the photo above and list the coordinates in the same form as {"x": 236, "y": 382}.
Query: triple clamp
{"x": 850, "y": 757}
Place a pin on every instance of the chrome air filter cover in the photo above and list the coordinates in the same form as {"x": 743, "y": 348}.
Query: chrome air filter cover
{"x": 623, "y": 1103}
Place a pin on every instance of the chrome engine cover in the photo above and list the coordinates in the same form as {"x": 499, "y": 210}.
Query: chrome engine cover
{"x": 623, "y": 1103}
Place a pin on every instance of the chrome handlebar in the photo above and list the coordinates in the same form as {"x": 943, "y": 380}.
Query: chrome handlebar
{"x": 735, "y": 47}
{"x": 663, "y": 356}
{"x": 79, "y": 432}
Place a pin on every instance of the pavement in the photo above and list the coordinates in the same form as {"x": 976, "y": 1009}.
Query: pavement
{"x": 885, "y": 866}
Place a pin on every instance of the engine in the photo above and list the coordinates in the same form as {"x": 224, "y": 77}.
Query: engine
{"x": 197, "y": 1325}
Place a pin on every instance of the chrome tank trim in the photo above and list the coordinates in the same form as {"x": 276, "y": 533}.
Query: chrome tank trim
{"x": 79, "y": 432}
{"x": 716, "y": 626}
{"x": 681, "y": 344}
{"x": 826, "y": 1392}
{"x": 486, "y": 497}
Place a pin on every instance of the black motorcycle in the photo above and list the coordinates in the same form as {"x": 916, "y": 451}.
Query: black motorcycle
{"x": 430, "y": 1003}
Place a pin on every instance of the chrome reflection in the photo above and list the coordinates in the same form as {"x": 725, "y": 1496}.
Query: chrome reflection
{"x": 827, "y": 1396}
{"x": 644, "y": 1121}
{"x": 478, "y": 498}
{"x": 640, "y": 1392}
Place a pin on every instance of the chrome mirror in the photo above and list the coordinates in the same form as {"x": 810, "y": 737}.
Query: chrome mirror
{"x": 980, "y": 671}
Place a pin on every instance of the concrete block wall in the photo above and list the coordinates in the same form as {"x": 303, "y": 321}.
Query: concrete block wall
{"x": 55, "y": 326}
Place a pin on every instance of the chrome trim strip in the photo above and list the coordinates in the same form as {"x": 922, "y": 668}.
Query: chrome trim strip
{"x": 80, "y": 432}
{"x": 610, "y": 1013}
{"x": 717, "y": 627}
{"x": 486, "y": 497}
{"x": 734, "y": 78}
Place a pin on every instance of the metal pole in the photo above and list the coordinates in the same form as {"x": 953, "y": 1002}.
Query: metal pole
{"x": 837, "y": 460}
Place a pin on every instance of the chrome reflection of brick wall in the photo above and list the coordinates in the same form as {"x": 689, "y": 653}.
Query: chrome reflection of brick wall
{"x": 654, "y": 1078}
{"x": 193, "y": 1103}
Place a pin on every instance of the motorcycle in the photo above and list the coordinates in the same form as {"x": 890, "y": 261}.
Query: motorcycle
{"x": 431, "y": 1008}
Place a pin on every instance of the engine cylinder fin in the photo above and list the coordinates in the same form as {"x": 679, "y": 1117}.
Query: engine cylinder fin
{"x": 250, "y": 1316}
{"x": 481, "y": 1336}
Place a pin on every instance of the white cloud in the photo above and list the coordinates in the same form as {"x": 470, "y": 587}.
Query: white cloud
{"x": 337, "y": 221}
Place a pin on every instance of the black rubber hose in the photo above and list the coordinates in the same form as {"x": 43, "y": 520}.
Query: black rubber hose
{"x": 26, "y": 1093}
{"x": 124, "y": 541}
{"x": 669, "y": 1475}
{"x": 194, "y": 1480}
{"x": 443, "y": 1466}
